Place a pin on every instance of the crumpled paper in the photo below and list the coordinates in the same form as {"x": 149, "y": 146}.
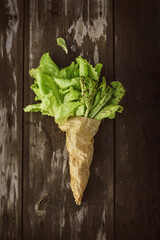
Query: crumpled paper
{"x": 79, "y": 141}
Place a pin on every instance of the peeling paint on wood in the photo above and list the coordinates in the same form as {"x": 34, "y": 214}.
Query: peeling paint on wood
{"x": 13, "y": 16}
{"x": 11, "y": 54}
{"x": 65, "y": 7}
{"x": 91, "y": 28}
{"x": 94, "y": 28}
{"x": 1, "y": 45}
{"x": 96, "y": 54}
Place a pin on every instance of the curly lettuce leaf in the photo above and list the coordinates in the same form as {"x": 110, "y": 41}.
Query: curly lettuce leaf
{"x": 72, "y": 71}
{"x": 83, "y": 66}
{"x": 57, "y": 90}
{"x": 72, "y": 95}
{"x": 65, "y": 83}
{"x": 65, "y": 111}
{"x": 33, "y": 108}
{"x": 87, "y": 70}
{"x": 80, "y": 111}
{"x": 73, "y": 90}
{"x": 47, "y": 66}
{"x": 48, "y": 106}
{"x": 98, "y": 68}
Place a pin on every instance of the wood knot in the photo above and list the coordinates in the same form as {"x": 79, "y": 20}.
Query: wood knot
{"x": 12, "y": 20}
{"x": 42, "y": 205}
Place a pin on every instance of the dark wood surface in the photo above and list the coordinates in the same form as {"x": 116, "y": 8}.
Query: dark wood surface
{"x": 137, "y": 169}
{"x": 11, "y": 91}
{"x": 122, "y": 199}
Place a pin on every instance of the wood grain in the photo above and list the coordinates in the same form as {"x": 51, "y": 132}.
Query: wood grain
{"x": 122, "y": 197}
{"x": 137, "y": 65}
{"x": 11, "y": 83}
{"x": 48, "y": 205}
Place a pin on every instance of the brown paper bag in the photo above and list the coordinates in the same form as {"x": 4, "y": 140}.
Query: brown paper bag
{"x": 79, "y": 140}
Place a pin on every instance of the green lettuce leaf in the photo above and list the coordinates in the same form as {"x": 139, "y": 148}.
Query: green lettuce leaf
{"x": 62, "y": 44}
{"x": 101, "y": 103}
{"x": 72, "y": 71}
{"x": 65, "y": 111}
{"x": 80, "y": 111}
{"x": 44, "y": 84}
{"x": 100, "y": 93}
{"x": 109, "y": 112}
{"x": 73, "y": 90}
{"x": 98, "y": 68}
{"x": 65, "y": 83}
{"x": 83, "y": 66}
{"x": 87, "y": 70}
{"x": 72, "y": 95}
{"x": 33, "y": 108}
{"x": 88, "y": 88}
{"x": 48, "y": 66}
{"x": 118, "y": 92}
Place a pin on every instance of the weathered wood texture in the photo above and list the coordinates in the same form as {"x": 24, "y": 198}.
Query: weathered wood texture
{"x": 48, "y": 205}
{"x": 11, "y": 75}
{"x": 122, "y": 198}
{"x": 137, "y": 65}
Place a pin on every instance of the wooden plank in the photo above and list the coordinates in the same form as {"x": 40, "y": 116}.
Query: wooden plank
{"x": 11, "y": 83}
{"x": 137, "y": 65}
{"x": 49, "y": 208}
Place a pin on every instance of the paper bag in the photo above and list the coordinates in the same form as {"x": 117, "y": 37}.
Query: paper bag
{"x": 79, "y": 141}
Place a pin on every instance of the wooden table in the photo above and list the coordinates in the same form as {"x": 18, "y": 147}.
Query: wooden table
{"x": 122, "y": 199}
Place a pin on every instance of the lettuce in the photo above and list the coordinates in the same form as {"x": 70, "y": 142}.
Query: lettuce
{"x": 75, "y": 90}
{"x": 62, "y": 44}
{"x": 88, "y": 88}
{"x": 108, "y": 112}
{"x": 87, "y": 70}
